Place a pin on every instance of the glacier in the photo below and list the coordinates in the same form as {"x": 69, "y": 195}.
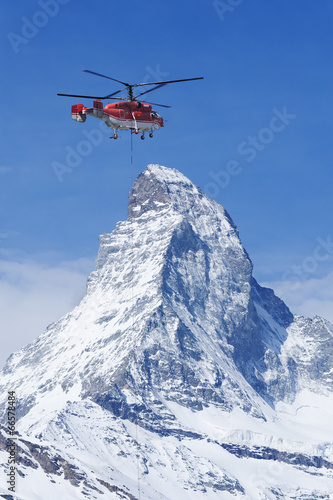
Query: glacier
{"x": 177, "y": 375}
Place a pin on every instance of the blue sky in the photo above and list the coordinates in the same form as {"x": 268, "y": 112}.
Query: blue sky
{"x": 260, "y": 61}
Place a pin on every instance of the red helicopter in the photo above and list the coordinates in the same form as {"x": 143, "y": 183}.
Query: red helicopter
{"x": 128, "y": 114}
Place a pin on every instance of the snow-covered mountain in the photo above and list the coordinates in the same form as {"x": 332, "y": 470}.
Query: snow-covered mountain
{"x": 178, "y": 375}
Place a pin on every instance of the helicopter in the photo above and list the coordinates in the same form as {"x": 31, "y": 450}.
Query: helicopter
{"x": 127, "y": 113}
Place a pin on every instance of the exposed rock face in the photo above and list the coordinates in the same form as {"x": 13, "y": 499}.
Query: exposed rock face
{"x": 172, "y": 321}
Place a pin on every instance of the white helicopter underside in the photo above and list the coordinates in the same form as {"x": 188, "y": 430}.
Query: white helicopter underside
{"x": 125, "y": 124}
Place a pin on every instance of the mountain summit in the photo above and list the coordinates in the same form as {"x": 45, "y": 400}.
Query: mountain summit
{"x": 178, "y": 375}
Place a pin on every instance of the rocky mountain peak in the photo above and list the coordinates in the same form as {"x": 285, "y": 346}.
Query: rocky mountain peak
{"x": 150, "y": 191}
{"x": 160, "y": 187}
{"x": 174, "y": 335}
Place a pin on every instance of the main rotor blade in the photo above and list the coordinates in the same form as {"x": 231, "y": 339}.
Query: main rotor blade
{"x": 84, "y": 96}
{"x": 154, "y": 104}
{"x": 114, "y": 93}
{"x": 169, "y": 81}
{"x": 108, "y": 77}
{"x": 150, "y": 90}
{"x": 117, "y": 98}
{"x": 96, "y": 96}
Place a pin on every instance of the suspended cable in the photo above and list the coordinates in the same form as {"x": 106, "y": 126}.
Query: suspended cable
{"x": 134, "y": 349}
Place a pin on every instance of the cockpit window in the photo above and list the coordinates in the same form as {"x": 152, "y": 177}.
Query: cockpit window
{"x": 154, "y": 114}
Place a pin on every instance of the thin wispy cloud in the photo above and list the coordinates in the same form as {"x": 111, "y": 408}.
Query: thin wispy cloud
{"x": 312, "y": 297}
{"x": 33, "y": 295}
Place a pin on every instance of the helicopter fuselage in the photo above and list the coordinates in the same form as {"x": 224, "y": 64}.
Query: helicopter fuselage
{"x": 127, "y": 115}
